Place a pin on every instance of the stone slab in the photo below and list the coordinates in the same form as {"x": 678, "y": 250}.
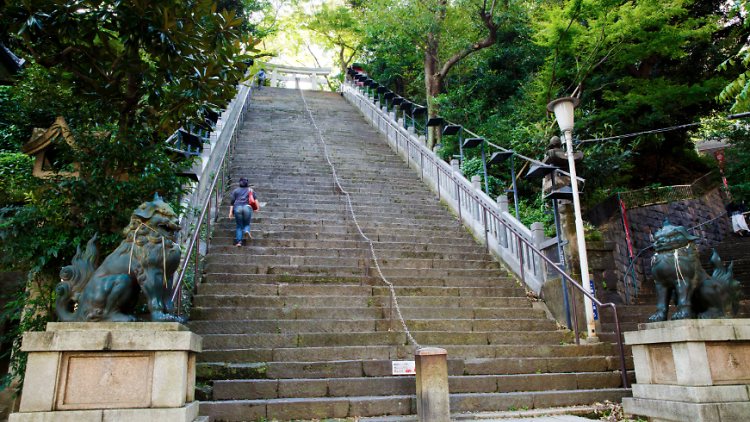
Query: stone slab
{"x": 234, "y": 410}
{"x": 712, "y": 394}
{"x": 187, "y": 413}
{"x": 379, "y": 405}
{"x": 103, "y": 381}
{"x": 675, "y": 411}
{"x": 690, "y": 330}
{"x": 306, "y": 409}
{"x": 116, "y": 326}
{"x": 95, "y": 340}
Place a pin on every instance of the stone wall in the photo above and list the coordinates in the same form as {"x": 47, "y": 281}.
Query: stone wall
{"x": 646, "y": 221}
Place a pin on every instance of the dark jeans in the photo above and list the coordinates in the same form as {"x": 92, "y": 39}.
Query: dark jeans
{"x": 242, "y": 215}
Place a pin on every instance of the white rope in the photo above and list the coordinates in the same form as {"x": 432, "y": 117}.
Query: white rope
{"x": 163, "y": 251}
{"x": 354, "y": 217}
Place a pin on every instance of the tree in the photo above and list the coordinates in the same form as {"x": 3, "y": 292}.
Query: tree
{"x": 444, "y": 32}
{"x": 639, "y": 66}
{"x": 157, "y": 62}
{"x": 338, "y": 28}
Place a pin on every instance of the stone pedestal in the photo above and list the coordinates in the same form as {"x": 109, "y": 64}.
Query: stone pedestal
{"x": 106, "y": 372}
{"x": 691, "y": 370}
{"x": 433, "y": 398}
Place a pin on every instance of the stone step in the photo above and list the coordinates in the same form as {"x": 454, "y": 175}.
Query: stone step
{"x": 226, "y": 237}
{"x": 211, "y": 371}
{"x": 229, "y": 253}
{"x": 362, "y": 406}
{"x": 342, "y": 271}
{"x": 385, "y": 352}
{"x": 352, "y": 291}
{"x": 241, "y": 259}
{"x": 432, "y": 247}
{"x": 206, "y": 301}
{"x": 405, "y": 385}
{"x": 372, "y": 312}
{"x": 379, "y": 338}
{"x": 287, "y": 326}
{"x": 359, "y": 279}
{"x": 368, "y": 229}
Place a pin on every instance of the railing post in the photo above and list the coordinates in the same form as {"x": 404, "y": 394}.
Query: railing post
{"x": 486, "y": 237}
{"x": 520, "y": 259}
{"x": 208, "y": 225}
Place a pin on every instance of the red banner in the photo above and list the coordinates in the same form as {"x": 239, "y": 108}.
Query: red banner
{"x": 627, "y": 228}
{"x": 719, "y": 155}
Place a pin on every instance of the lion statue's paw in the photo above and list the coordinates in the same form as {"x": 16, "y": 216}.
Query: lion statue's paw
{"x": 659, "y": 317}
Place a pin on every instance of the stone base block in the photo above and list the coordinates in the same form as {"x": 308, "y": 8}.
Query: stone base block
{"x": 712, "y": 394}
{"x": 675, "y": 411}
{"x": 187, "y": 413}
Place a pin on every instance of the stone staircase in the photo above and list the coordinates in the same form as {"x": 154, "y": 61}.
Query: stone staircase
{"x": 296, "y": 325}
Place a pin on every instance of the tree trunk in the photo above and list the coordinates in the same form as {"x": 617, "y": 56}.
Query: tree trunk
{"x": 433, "y": 87}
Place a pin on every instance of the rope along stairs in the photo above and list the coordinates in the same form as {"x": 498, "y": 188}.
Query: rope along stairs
{"x": 296, "y": 325}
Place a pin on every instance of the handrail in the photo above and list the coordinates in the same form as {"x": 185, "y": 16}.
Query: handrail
{"x": 490, "y": 219}
{"x": 531, "y": 160}
{"x": 233, "y": 127}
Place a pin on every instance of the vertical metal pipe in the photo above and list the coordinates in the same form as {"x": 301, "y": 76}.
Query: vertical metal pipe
{"x": 437, "y": 167}
{"x": 461, "y": 142}
{"x": 575, "y": 320}
{"x": 196, "y": 255}
{"x": 515, "y": 189}
{"x": 484, "y": 168}
{"x": 486, "y": 237}
{"x": 208, "y": 225}
{"x": 620, "y": 350}
{"x": 421, "y": 165}
{"x": 520, "y": 259}
{"x": 460, "y": 219}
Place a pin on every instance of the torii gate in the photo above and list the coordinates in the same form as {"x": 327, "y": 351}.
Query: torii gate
{"x": 290, "y": 73}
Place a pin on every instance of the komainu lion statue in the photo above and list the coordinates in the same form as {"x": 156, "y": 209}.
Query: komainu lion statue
{"x": 145, "y": 261}
{"x": 677, "y": 271}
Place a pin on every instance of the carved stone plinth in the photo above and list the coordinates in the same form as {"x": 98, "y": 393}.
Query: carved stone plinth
{"x": 691, "y": 370}
{"x": 102, "y": 372}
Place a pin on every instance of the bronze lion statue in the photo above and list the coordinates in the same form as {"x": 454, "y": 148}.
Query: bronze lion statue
{"x": 678, "y": 276}
{"x": 145, "y": 261}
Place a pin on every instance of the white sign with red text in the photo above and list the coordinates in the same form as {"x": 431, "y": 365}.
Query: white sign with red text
{"x": 404, "y": 367}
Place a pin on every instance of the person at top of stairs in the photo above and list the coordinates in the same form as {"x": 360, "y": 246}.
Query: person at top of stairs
{"x": 735, "y": 211}
{"x": 241, "y": 210}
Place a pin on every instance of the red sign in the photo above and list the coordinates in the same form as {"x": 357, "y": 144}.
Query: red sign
{"x": 719, "y": 155}
{"x": 627, "y": 229}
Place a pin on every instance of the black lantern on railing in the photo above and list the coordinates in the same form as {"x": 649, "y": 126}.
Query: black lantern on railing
{"x": 416, "y": 111}
{"x": 451, "y": 130}
{"x": 479, "y": 142}
{"x": 499, "y": 158}
{"x": 387, "y": 97}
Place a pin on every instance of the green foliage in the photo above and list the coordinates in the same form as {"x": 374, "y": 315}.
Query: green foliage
{"x": 473, "y": 166}
{"x": 16, "y": 180}
{"x": 157, "y": 63}
{"x": 535, "y": 211}
{"x": 337, "y": 28}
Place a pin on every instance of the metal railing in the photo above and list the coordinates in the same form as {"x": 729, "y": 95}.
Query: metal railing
{"x": 502, "y": 233}
{"x": 214, "y": 193}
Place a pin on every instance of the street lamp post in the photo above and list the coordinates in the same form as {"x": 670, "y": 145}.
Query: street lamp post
{"x": 563, "y": 109}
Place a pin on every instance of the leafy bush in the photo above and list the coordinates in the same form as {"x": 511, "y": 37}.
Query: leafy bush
{"x": 16, "y": 180}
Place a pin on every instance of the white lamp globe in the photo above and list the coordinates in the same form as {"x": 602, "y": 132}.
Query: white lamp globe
{"x": 564, "y": 111}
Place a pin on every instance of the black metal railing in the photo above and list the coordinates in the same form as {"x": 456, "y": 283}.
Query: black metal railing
{"x": 214, "y": 196}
